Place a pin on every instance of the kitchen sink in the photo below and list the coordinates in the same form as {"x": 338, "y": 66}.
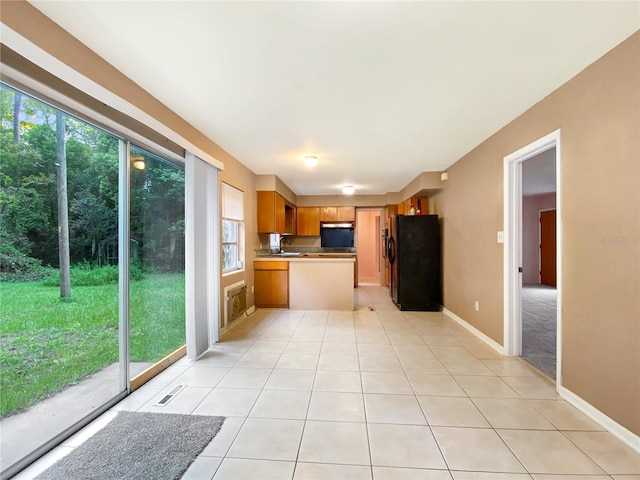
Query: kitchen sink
{"x": 287, "y": 254}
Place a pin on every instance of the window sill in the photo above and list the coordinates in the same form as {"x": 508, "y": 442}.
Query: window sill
{"x": 232, "y": 272}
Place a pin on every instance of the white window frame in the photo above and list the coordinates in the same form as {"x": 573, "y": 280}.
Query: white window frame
{"x": 233, "y": 212}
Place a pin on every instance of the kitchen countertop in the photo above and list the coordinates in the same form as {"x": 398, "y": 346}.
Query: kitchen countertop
{"x": 289, "y": 257}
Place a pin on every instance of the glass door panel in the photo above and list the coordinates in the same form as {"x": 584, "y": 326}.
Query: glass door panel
{"x": 157, "y": 297}
{"x": 59, "y": 329}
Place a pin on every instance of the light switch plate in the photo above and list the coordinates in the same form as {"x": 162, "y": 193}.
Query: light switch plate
{"x": 500, "y": 237}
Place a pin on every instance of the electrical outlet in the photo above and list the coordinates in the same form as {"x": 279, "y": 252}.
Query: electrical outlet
{"x": 500, "y": 237}
{"x": 476, "y": 305}
{"x": 253, "y": 289}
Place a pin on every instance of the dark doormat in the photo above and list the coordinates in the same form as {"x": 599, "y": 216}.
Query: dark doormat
{"x": 138, "y": 445}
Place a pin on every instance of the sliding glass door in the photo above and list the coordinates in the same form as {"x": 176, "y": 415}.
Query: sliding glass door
{"x": 156, "y": 295}
{"x": 59, "y": 321}
{"x": 92, "y": 260}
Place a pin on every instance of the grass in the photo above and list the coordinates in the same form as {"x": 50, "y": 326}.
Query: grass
{"x": 47, "y": 344}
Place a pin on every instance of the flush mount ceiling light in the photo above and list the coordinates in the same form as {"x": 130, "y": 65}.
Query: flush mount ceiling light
{"x": 348, "y": 190}
{"x": 138, "y": 162}
{"x": 310, "y": 160}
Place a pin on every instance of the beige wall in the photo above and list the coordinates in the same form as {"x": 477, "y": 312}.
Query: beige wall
{"x": 272, "y": 183}
{"x": 598, "y": 112}
{"x": 421, "y": 186}
{"x": 341, "y": 200}
{"x": 531, "y": 206}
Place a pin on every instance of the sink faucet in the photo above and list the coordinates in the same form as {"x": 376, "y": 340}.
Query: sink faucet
{"x": 282, "y": 237}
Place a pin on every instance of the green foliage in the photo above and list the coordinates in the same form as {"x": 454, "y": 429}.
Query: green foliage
{"x": 28, "y": 193}
{"x": 47, "y": 344}
{"x": 21, "y": 268}
{"x": 87, "y": 274}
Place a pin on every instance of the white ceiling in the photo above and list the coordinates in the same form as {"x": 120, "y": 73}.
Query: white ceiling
{"x": 379, "y": 91}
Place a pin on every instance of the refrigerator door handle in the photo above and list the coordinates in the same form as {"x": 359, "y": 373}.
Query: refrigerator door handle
{"x": 392, "y": 250}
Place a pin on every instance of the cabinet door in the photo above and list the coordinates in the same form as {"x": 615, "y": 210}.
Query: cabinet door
{"x": 329, "y": 214}
{"x": 309, "y": 221}
{"x": 262, "y": 280}
{"x": 280, "y": 288}
{"x": 279, "y": 206}
{"x": 346, "y": 214}
{"x": 266, "y": 212}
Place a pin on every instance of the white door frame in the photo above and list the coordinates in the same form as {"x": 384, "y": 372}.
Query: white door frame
{"x": 513, "y": 245}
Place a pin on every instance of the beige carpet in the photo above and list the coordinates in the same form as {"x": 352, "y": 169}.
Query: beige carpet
{"x": 539, "y": 324}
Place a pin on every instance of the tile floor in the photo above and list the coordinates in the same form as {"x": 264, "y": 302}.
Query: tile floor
{"x": 377, "y": 394}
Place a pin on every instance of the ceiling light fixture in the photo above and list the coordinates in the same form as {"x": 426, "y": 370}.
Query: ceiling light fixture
{"x": 310, "y": 160}
{"x": 138, "y": 162}
{"x": 348, "y": 190}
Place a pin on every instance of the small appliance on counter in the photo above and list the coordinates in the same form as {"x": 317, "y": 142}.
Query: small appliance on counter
{"x": 413, "y": 252}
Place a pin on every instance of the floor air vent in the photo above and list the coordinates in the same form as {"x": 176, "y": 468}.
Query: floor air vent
{"x": 169, "y": 396}
{"x": 372, "y": 309}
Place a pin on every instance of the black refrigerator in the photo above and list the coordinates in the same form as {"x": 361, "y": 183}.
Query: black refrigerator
{"x": 414, "y": 259}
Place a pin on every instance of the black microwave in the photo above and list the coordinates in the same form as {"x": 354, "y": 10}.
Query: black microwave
{"x": 337, "y": 236}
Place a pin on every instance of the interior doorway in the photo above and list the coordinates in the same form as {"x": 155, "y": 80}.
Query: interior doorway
{"x": 369, "y": 246}
{"x": 532, "y": 313}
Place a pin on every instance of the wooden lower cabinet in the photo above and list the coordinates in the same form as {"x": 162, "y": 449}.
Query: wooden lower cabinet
{"x": 271, "y": 284}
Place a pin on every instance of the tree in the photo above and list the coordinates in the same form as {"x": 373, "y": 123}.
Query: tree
{"x": 63, "y": 209}
{"x": 17, "y": 106}
{"x": 22, "y": 207}
{"x": 92, "y": 221}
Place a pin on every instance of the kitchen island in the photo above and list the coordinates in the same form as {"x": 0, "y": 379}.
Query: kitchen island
{"x": 319, "y": 281}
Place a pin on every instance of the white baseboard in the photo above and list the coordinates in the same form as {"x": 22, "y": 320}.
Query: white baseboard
{"x": 250, "y": 310}
{"x": 489, "y": 341}
{"x": 617, "y": 430}
{"x": 624, "y": 435}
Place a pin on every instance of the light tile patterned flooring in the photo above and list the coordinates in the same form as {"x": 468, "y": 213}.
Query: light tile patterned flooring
{"x": 377, "y": 394}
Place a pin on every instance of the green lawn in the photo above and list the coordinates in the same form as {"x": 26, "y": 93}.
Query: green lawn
{"x": 47, "y": 344}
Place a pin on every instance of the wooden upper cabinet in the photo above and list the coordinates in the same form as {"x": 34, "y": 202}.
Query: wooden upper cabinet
{"x": 308, "y": 221}
{"x": 338, "y": 214}
{"x": 328, "y": 214}
{"x": 346, "y": 214}
{"x": 271, "y": 213}
{"x": 424, "y": 205}
{"x": 280, "y": 222}
{"x": 404, "y": 208}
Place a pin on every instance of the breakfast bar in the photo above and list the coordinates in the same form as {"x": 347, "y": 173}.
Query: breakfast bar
{"x": 319, "y": 281}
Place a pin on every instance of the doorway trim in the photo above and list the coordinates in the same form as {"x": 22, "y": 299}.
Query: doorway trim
{"x": 513, "y": 245}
